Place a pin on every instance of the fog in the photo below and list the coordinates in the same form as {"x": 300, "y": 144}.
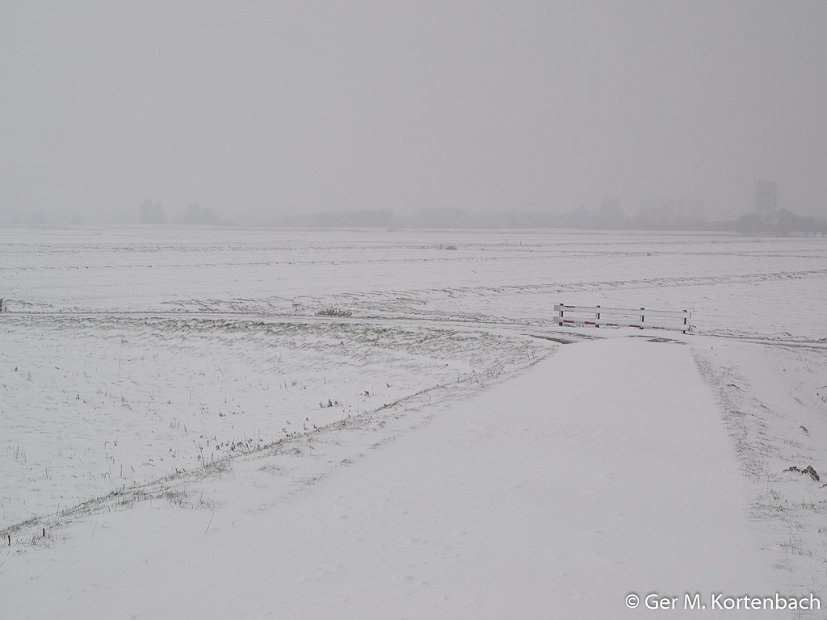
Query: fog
{"x": 257, "y": 110}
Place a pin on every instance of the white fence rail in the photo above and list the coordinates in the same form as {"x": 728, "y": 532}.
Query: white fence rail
{"x": 641, "y": 318}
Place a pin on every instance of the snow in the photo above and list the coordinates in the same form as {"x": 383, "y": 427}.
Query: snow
{"x": 773, "y": 400}
{"x": 512, "y": 276}
{"x": 525, "y": 501}
{"x": 196, "y": 441}
{"x": 96, "y": 404}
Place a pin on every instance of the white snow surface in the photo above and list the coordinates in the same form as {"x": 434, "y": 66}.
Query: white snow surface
{"x": 526, "y": 501}
{"x": 184, "y": 435}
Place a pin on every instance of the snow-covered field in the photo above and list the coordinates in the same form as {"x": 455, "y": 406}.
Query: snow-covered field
{"x": 770, "y": 287}
{"x": 200, "y": 376}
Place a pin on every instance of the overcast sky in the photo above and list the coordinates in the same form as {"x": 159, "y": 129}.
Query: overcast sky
{"x": 256, "y": 107}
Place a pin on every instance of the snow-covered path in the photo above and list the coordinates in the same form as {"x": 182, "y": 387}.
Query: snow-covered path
{"x": 601, "y": 471}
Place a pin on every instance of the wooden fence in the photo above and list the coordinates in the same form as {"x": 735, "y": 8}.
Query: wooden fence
{"x": 597, "y": 316}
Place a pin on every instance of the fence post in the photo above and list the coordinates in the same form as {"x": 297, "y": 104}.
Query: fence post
{"x": 598, "y": 317}
{"x": 685, "y": 316}
{"x": 560, "y": 316}
{"x": 642, "y": 317}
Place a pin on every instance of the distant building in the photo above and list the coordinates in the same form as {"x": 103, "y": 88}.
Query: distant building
{"x": 764, "y": 198}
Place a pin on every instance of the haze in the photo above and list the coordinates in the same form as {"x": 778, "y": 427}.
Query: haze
{"x": 254, "y": 109}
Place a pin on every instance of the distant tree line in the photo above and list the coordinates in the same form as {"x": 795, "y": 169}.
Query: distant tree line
{"x": 152, "y": 212}
{"x": 678, "y": 219}
{"x": 782, "y": 223}
{"x": 653, "y": 215}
